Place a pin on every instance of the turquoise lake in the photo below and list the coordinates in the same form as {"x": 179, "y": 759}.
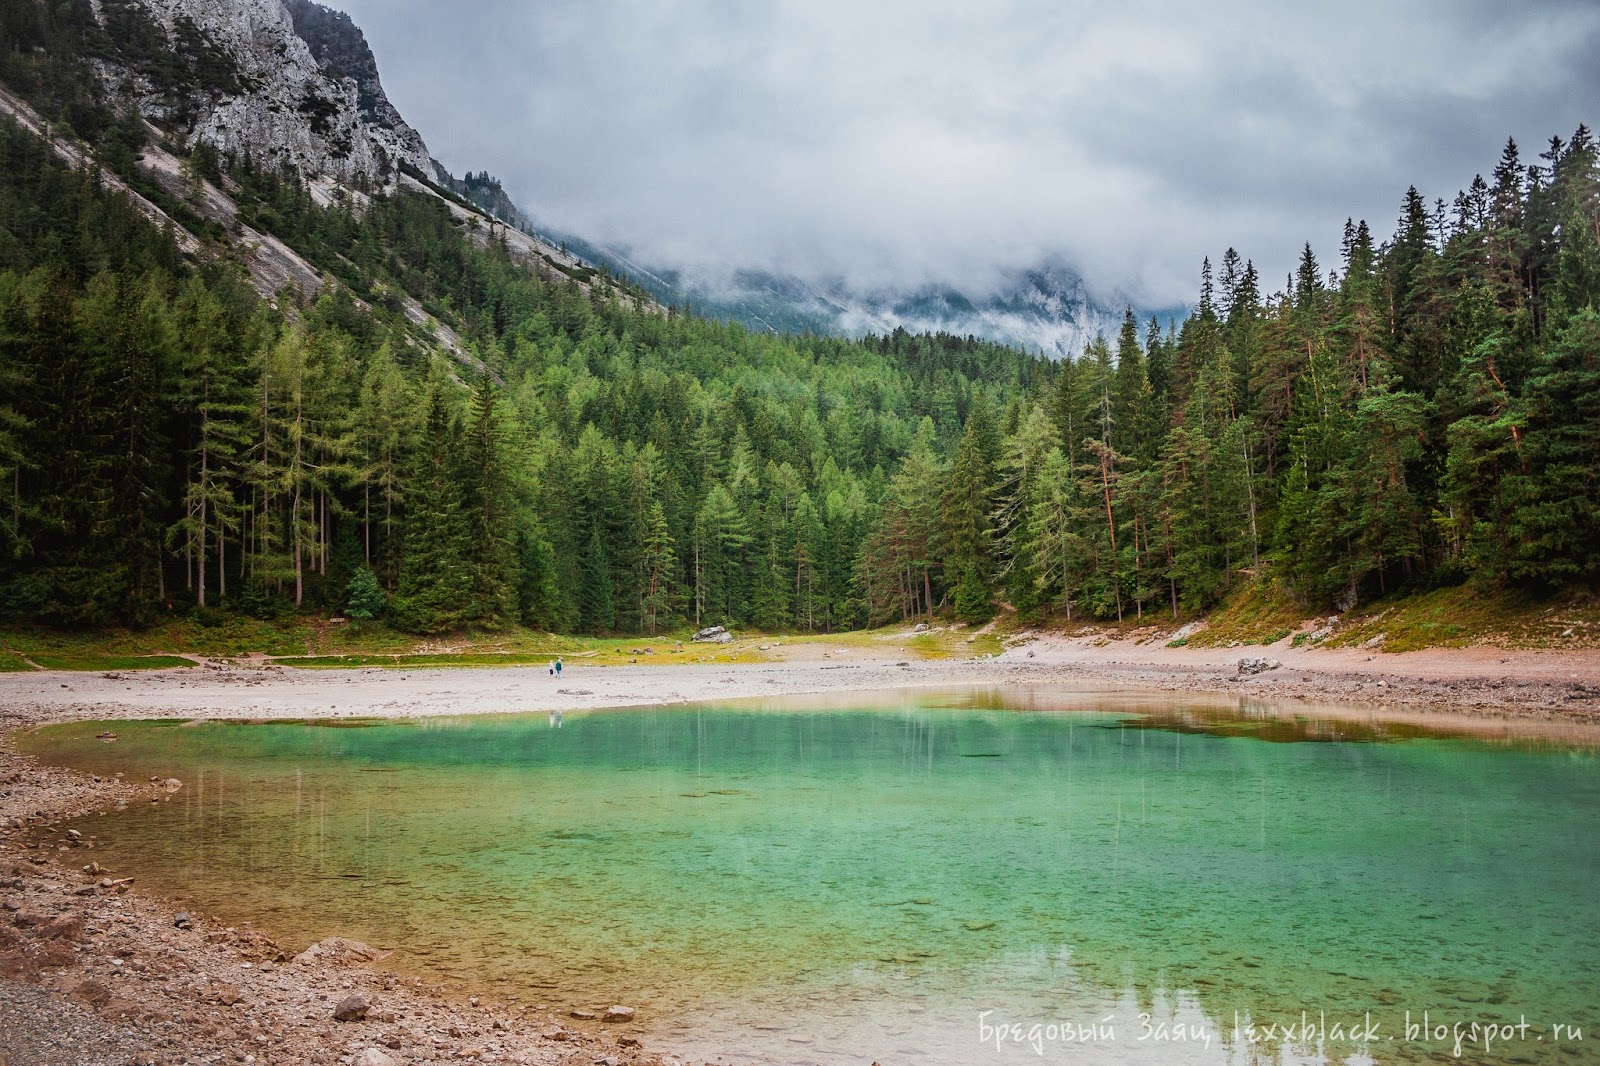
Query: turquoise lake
{"x": 897, "y": 877}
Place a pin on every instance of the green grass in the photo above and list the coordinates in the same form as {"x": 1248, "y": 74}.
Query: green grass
{"x": 1467, "y": 615}
{"x": 11, "y": 664}
{"x": 1257, "y": 612}
{"x": 109, "y": 662}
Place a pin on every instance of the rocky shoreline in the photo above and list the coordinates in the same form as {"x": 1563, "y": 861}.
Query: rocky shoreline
{"x": 92, "y": 970}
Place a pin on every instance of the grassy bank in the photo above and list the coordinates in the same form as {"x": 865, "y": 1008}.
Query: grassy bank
{"x": 319, "y": 643}
{"x": 1259, "y": 613}
{"x": 1262, "y": 613}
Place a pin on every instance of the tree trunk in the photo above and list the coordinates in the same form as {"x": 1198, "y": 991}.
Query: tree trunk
{"x": 205, "y": 491}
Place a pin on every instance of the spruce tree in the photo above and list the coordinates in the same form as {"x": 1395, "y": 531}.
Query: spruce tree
{"x": 435, "y": 588}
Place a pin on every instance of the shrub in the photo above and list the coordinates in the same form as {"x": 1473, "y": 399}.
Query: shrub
{"x": 366, "y": 597}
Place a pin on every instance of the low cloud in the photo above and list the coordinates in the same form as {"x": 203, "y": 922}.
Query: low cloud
{"x": 901, "y": 143}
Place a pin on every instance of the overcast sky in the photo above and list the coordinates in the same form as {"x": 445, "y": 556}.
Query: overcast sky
{"x": 904, "y": 141}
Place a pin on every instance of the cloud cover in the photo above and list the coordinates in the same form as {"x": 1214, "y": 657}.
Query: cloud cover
{"x": 902, "y": 142}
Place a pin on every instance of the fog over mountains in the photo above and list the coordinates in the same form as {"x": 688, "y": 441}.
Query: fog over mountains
{"x": 1047, "y": 308}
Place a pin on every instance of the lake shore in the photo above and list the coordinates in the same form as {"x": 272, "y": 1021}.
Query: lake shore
{"x": 1544, "y": 684}
{"x": 91, "y": 969}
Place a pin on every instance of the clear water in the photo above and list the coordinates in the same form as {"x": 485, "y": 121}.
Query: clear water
{"x": 846, "y": 884}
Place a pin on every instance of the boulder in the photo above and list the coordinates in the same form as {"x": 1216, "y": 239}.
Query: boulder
{"x": 1256, "y": 665}
{"x": 372, "y": 1057}
{"x": 712, "y": 635}
{"x": 352, "y": 1008}
{"x": 617, "y": 1014}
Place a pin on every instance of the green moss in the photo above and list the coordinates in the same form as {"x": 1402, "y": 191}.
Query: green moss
{"x": 1259, "y": 611}
{"x": 1467, "y": 615}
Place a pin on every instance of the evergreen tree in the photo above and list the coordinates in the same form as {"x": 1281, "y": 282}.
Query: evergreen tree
{"x": 435, "y": 589}
{"x": 489, "y": 557}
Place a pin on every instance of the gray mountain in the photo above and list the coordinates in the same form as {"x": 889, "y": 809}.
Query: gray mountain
{"x": 286, "y": 82}
{"x": 293, "y": 83}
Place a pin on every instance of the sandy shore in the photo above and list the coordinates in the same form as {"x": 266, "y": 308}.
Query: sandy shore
{"x": 93, "y": 971}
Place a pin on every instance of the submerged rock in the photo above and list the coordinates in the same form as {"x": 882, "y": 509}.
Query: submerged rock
{"x": 340, "y": 949}
{"x": 617, "y": 1014}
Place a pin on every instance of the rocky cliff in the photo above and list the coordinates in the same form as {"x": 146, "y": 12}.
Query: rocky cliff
{"x": 285, "y": 83}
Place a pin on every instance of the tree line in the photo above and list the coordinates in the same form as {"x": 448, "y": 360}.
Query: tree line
{"x": 173, "y": 443}
{"x": 1428, "y": 412}
{"x": 1424, "y": 414}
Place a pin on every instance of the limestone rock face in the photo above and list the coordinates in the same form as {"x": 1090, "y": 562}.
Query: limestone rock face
{"x": 277, "y": 104}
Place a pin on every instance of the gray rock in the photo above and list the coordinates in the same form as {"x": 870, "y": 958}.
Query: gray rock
{"x": 712, "y": 635}
{"x": 355, "y": 131}
{"x": 182, "y": 920}
{"x": 352, "y": 1008}
{"x": 1255, "y": 665}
